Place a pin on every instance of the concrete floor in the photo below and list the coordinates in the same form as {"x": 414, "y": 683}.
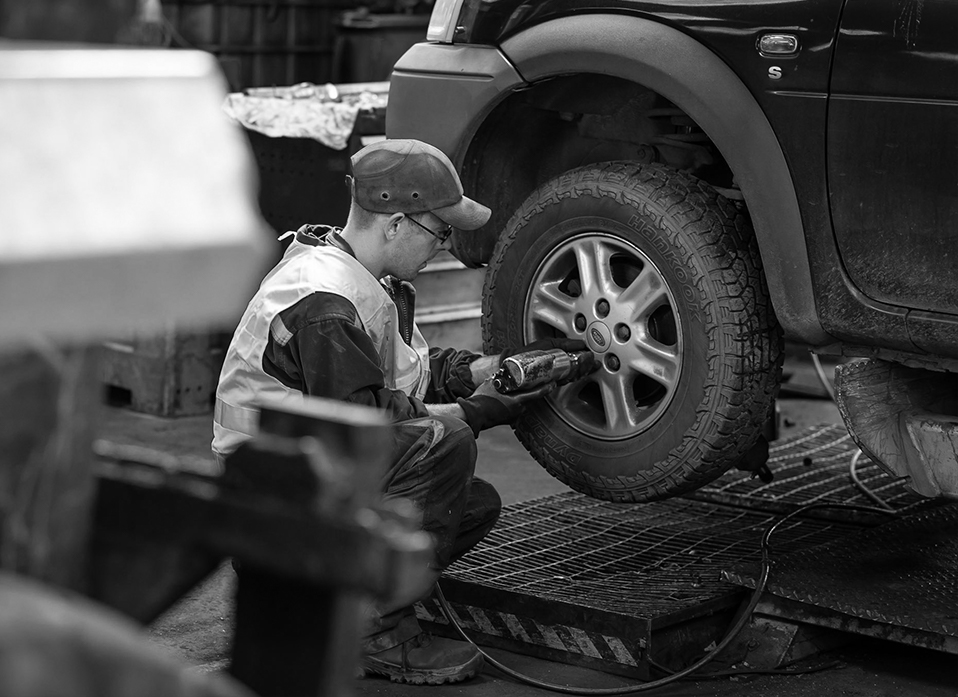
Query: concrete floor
{"x": 197, "y": 629}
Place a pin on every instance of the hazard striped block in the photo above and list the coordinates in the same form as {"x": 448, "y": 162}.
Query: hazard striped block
{"x": 559, "y": 642}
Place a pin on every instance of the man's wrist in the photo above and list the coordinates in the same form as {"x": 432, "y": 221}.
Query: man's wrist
{"x": 453, "y": 410}
{"x": 483, "y": 368}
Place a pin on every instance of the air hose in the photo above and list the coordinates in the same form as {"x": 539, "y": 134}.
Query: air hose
{"x": 820, "y": 372}
{"x": 730, "y": 635}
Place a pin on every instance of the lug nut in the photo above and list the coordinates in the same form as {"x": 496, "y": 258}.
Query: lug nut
{"x": 612, "y": 362}
{"x": 602, "y": 308}
{"x": 580, "y": 323}
{"x": 622, "y": 332}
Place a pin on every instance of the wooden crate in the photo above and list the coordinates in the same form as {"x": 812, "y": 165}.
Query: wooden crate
{"x": 171, "y": 374}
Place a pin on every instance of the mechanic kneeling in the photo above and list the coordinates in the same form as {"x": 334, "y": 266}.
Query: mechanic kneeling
{"x": 334, "y": 319}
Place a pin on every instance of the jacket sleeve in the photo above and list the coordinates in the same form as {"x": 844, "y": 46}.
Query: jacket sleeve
{"x": 450, "y": 375}
{"x": 319, "y": 347}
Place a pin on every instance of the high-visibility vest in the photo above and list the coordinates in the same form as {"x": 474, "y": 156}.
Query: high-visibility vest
{"x": 304, "y": 269}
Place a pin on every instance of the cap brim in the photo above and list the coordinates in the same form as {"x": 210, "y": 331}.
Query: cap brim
{"x": 465, "y": 214}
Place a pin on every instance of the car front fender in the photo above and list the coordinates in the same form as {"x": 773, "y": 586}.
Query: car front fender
{"x": 692, "y": 77}
{"x": 441, "y": 94}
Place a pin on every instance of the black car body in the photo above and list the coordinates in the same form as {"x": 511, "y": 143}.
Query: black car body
{"x": 831, "y": 124}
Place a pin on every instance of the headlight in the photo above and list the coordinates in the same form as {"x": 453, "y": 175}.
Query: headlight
{"x": 442, "y": 23}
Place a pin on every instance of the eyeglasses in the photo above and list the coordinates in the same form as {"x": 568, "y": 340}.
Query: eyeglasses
{"x": 441, "y": 235}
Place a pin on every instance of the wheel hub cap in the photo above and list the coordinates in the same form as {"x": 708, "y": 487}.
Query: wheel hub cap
{"x": 598, "y": 337}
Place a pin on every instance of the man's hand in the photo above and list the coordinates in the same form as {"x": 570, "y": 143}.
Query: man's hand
{"x": 487, "y": 407}
{"x": 568, "y": 345}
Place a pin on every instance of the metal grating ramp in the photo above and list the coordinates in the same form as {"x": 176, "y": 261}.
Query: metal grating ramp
{"x": 897, "y": 581}
{"x": 605, "y": 585}
{"x": 643, "y": 560}
{"x": 812, "y": 467}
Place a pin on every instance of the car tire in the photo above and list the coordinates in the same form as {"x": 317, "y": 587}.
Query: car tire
{"x": 662, "y": 277}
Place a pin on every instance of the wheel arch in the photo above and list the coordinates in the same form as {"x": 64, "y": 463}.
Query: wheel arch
{"x": 679, "y": 68}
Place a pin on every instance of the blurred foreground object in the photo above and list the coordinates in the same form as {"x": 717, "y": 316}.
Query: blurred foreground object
{"x": 98, "y": 652}
{"x": 128, "y": 198}
{"x": 298, "y": 510}
{"x": 127, "y": 202}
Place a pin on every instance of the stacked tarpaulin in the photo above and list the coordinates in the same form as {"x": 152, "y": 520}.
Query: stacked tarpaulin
{"x": 325, "y": 113}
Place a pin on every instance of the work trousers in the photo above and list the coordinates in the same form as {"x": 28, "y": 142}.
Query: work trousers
{"x": 432, "y": 465}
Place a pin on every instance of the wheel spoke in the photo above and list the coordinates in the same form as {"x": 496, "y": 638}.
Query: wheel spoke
{"x": 566, "y": 396}
{"x": 595, "y": 271}
{"x": 657, "y": 361}
{"x": 618, "y": 402}
{"x": 645, "y": 293}
{"x": 551, "y": 306}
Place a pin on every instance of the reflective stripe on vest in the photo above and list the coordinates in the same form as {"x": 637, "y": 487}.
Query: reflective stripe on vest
{"x": 237, "y": 419}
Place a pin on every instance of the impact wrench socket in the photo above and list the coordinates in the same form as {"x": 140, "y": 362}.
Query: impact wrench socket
{"x": 525, "y": 371}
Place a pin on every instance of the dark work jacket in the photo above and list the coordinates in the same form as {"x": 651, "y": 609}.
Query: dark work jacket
{"x": 329, "y": 354}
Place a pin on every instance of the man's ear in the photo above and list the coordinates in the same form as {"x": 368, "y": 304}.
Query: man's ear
{"x": 391, "y": 226}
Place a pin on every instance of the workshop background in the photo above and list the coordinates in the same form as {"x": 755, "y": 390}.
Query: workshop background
{"x": 113, "y": 418}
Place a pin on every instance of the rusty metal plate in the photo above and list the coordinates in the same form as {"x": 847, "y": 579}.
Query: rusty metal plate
{"x": 903, "y": 574}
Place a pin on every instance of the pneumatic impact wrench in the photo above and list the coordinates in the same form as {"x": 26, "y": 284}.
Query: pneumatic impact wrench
{"x": 525, "y": 371}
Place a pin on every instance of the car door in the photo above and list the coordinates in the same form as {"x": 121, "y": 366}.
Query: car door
{"x": 892, "y": 150}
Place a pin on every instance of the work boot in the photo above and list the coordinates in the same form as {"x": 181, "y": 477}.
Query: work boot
{"x": 426, "y": 660}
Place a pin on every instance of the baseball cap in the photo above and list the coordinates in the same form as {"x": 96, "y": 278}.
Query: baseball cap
{"x": 409, "y": 176}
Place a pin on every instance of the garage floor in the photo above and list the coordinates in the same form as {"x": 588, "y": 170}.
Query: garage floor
{"x": 197, "y": 629}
